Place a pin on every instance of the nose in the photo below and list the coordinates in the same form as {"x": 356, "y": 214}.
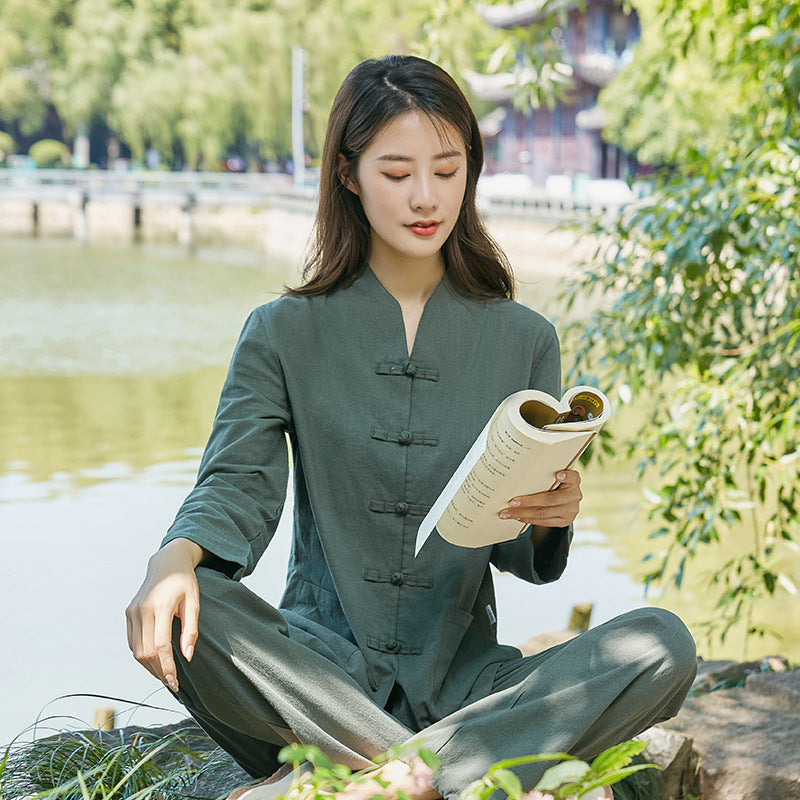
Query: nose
{"x": 423, "y": 194}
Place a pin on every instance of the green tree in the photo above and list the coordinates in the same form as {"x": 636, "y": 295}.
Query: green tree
{"x": 30, "y": 48}
{"x": 661, "y": 103}
{"x": 196, "y": 78}
{"x": 703, "y": 324}
{"x": 96, "y": 46}
{"x": 6, "y": 145}
{"x": 534, "y": 57}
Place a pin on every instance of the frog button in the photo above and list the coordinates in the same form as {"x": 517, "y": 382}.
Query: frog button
{"x": 397, "y": 579}
{"x": 405, "y": 437}
{"x": 392, "y": 645}
{"x": 411, "y": 369}
{"x": 401, "y": 508}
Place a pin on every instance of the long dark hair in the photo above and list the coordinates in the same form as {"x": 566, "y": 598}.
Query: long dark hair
{"x": 374, "y": 93}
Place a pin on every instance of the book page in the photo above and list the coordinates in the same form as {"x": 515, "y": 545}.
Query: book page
{"x": 510, "y": 457}
{"x": 509, "y": 465}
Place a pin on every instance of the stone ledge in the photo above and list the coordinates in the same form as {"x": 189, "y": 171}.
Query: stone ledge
{"x": 745, "y": 740}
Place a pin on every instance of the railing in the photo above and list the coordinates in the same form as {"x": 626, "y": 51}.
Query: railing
{"x": 187, "y": 189}
{"x": 547, "y": 207}
{"x": 155, "y": 188}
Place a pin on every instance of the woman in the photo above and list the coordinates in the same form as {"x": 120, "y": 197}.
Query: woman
{"x": 382, "y": 368}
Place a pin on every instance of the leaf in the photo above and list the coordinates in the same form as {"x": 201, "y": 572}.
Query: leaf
{"x": 477, "y": 790}
{"x": 610, "y": 778}
{"x": 508, "y": 782}
{"x": 565, "y": 772}
{"x": 84, "y": 789}
{"x": 296, "y": 753}
{"x": 430, "y": 759}
{"x": 618, "y": 756}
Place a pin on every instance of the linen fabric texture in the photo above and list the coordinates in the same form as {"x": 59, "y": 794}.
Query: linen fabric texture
{"x": 370, "y": 646}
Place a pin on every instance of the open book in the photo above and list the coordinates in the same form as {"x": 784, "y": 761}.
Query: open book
{"x": 529, "y": 438}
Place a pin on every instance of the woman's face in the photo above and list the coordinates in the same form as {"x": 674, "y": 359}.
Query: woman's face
{"x": 411, "y": 181}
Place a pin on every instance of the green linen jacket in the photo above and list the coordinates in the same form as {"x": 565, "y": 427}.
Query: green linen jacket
{"x": 374, "y": 434}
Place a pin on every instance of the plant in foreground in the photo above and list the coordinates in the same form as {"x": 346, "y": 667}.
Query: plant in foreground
{"x": 93, "y": 766}
{"x": 569, "y": 777}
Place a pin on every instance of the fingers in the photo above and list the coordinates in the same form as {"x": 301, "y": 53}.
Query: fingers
{"x": 556, "y": 508}
{"x": 162, "y": 645}
{"x": 191, "y": 611}
{"x": 169, "y": 590}
{"x": 140, "y": 631}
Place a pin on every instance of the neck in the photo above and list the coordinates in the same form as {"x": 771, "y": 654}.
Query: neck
{"x": 408, "y": 280}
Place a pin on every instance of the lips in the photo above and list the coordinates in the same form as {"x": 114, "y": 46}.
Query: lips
{"x": 424, "y": 227}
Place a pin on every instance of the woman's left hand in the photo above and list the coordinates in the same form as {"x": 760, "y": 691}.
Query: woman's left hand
{"x": 554, "y": 509}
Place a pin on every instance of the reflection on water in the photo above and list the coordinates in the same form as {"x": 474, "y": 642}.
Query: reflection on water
{"x": 111, "y": 362}
{"x": 71, "y": 309}
{"x": 78, "y": 424}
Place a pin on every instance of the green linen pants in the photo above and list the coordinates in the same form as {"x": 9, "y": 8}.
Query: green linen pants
{"x": 255, "y": 685}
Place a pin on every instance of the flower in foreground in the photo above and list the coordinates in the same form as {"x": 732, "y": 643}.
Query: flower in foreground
{"x": 422, "y": 774}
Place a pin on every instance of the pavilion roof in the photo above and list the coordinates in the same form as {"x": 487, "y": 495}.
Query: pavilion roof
{"x": 523, "y": 12}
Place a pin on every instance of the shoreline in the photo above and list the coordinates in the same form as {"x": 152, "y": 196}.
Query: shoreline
{"x": 536, "y": 248}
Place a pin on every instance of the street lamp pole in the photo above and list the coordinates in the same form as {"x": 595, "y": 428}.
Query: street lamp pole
{"x": 298, "y": 108}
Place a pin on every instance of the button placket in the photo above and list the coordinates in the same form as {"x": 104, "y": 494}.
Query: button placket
{"x": 403, "y": 437}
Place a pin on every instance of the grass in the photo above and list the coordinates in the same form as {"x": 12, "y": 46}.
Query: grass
{"x": 136, "y": 763}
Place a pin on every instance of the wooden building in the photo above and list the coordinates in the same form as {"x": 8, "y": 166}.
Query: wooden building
{"x": 566, "y": 140}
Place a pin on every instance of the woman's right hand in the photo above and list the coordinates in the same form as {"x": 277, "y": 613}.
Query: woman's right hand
{"x": 169, "y": 590}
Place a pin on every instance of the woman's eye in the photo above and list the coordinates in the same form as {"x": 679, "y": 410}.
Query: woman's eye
{"x": 394, "y": 177}
{"x": 447, "y": 174}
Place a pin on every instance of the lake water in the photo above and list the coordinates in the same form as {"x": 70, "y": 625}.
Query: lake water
{"x": 111, "y": 361}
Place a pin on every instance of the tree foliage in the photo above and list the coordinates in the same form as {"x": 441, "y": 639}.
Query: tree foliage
{"x": 195, "y": 78}
{"x": 534, "y": 57}
{"x": 30, "y": 47}
{"x": 696, "y": 75}
{"x": 703, "y": 326}
{"x": 49, "y": 153}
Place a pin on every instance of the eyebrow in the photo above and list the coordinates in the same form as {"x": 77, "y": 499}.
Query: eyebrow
{"x": 440, "y": 156}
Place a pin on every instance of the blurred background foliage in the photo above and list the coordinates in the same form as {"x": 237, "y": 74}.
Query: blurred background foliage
{"x": 700, "y": 319}
{"x": 194, "y": 78}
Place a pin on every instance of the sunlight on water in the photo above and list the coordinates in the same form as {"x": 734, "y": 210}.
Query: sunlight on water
{"x": 111, "y": 362}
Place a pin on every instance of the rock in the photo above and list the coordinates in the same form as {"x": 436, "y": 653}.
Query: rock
{"x": 747, "y": 739}
{"x": 674, "y": 754}
{"x": 218, "y": 782}
{"x": 544, "y": 641}
{"x": 713, "y": 675}
{"x": 784, "y": 685}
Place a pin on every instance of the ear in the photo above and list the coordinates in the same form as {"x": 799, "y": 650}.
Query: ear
{"x": 343, "y": 171}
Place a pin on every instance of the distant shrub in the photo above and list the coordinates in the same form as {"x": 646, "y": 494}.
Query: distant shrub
{"x": 49, "y": 153}
{"x": 6, "y": 145}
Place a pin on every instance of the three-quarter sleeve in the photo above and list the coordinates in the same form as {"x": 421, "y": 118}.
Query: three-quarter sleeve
{"x": 236, "y": 504}
{"x": 547, "y": 562}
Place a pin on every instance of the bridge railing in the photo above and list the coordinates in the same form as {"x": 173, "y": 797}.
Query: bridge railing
{"x": 221, "y": 188}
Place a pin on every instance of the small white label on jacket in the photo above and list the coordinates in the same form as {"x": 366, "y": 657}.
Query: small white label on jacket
{"x": 490, "y": 614}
